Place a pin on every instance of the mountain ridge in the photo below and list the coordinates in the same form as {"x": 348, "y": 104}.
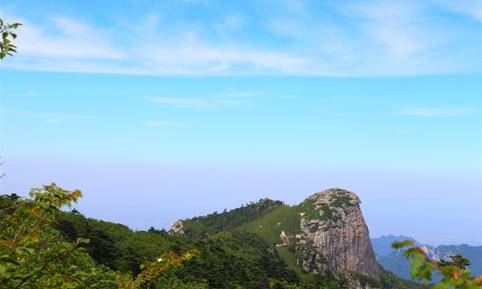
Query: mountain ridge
{"x": 324, "y": 234}
{"x": 265, "y": 244}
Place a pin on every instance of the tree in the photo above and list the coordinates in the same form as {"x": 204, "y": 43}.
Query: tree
{"x": 6, "y": 45}
{"x": 33, "y": 253}
{"x": 455, "y": 260}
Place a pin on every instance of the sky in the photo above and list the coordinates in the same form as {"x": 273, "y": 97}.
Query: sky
{"x": 160, "y": 110}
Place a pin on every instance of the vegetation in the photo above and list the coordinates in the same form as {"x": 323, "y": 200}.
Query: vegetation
{"x": 42, "y": 246}
{"x": 455, "y": 274}
{"x": 308, "y": 208}
{"x": 33, "y": 253}
{"x": 224, "y": 260}
{"x": 228, "y": 220}
{"x": 286, "y": 218}
{"x": 455, "y": 260}
{"x": 269, "y": 227}
{"x": 6, "y": 45}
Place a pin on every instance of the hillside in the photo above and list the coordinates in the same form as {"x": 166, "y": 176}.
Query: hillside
{"x": 225, "y": 260}
{"x": 212, "y": 223}
{"x": 325, "y": 235}
{"x": 319, "y": 244}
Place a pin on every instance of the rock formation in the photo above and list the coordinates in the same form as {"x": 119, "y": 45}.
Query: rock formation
{"x": 334, "y": 236}
{"x": 177, "y": 229}
{"x": 284, "y": 239}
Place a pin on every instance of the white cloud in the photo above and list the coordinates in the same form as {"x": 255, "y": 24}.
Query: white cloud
{"x": 49, "y": 117}
{"x": 241, "y": 93}
{"x": 397, "y": 26}
{"x": 398, "y": 131}
{"x": 163, "y": 123}
{"x": 189, "y": 55}
{"x": 435, "y": 111}
{"x": 199, "y": 102}
{"x": 65, "y": 38}
{"x": 294, "y": 6}
{"x": 373, "y": 38}
{"x": 231, "y": 98}
{"x": 472, "y": 8}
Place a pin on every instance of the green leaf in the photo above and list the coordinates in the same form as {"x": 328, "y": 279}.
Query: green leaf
{"x": 401, "y": 244}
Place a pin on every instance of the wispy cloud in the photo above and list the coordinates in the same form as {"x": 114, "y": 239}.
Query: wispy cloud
{"x": 198, "y": 102}
{"x": 396, "y": 26}
{"x": 49, "y": 117}
{"x": 225, "y": 99}
{"x": 436, "y": 111}
{"x": 298, "y": 38}
{"x": 472, "y": 8}
{"x": 66, "y": 38}
{"x": 398, "y": 131}
{"x": 164, "y": 123}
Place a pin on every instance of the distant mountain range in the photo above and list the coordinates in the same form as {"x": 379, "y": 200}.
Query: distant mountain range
{"x": 393, "y": 260}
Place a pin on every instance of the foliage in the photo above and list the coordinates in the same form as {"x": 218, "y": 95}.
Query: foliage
{"x": 33, "y": 253}
{"x": 117, "y": 246}
{"x": 231, "y": 259}
{"x": 390, "y": 280}
{"x": 224, "y": 260}
{"x": 455, "y": 260}
{"x": 314, "y": 210}
{"x": 454, "y": 273}
{"x": 228, "y": 220}
{"x": 152, "y": 270}
{"x": 6, "y": 45}
{"x": 29, "y": 248}
{"x": 284, "y": 218}
{"x": 42, "y": 246}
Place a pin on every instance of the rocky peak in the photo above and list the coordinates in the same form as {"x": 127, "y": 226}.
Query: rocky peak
{"x": 177, "y": 229}
{"x": 334, "y": 236}
{"x": 336, "y": 197}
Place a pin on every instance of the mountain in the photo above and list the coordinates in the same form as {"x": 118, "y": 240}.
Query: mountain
{"x": 225, "y": 260}
{"x": 383, "y": 244}
{"x": 320, "y": 243}
{"x": 227, "y": 220}
{"x": 394, "y": 261}
{"x": 325, "y": 235}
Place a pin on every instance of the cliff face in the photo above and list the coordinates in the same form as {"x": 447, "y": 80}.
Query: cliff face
{"x": 334, "y": 236}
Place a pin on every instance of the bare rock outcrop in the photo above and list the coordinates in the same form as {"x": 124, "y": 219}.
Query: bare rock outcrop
{"x": 285, "y": 240}
{"x": 177, "y": 229}
{"x": 334, "y": 235}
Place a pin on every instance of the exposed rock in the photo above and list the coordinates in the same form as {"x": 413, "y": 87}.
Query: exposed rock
{"x": 334, "y": 236}
{"x": 177, "y": 229}
{"x": 284, "y": 239}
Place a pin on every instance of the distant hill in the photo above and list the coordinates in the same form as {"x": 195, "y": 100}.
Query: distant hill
{"x": 383, "y": 245}
{"x": 394, "y": 261}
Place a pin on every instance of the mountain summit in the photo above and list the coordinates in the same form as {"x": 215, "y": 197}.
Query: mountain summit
{"x": 334, "y": 235}
{"x": 325, "y": 234}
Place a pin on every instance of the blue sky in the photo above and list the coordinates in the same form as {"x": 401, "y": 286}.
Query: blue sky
{"x": 161, "y": 110}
